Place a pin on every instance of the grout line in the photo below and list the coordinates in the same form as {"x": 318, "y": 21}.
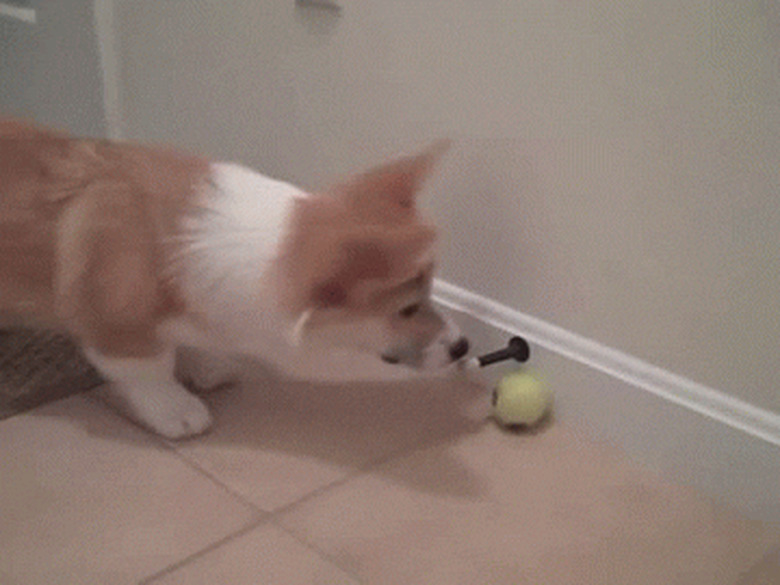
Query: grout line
{"x": 325, "y": 556}
{"x": 275, "y": 517}
{"x": 367, "y": 468}
{"x": 168, "y": 445}
{"x": 288, "y": 508}
{"x": 275, "y": 514}
{"x": 260, "y": 516}
{"x": 373, "y": 464}
{"x": 252, "y": 525}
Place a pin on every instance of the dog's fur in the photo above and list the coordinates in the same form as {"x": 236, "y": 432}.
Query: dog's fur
{"x": 137, "y": 251}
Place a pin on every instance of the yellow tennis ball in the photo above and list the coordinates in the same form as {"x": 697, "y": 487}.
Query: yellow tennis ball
{"x": 521, "y": 399}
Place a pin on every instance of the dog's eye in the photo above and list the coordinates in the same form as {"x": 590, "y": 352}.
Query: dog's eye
{"x": 409, "y": 311}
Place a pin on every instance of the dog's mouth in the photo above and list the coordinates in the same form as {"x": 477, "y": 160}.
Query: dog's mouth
{"x": 452, "y": 353}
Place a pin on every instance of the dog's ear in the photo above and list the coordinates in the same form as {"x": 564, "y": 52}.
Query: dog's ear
{"x": 388, "y": 192}
{"x": 369, "y": 258}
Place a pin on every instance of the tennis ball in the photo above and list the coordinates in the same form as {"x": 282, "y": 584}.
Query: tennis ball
{"x": 521, "y": 399}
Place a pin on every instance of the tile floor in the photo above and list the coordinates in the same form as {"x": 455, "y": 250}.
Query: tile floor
{"x": 397, "y": 484}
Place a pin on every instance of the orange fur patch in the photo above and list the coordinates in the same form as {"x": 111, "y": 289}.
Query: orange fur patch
{"x": 81, "y": 228}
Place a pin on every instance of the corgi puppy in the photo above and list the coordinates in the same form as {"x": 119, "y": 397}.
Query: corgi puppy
{"x": 138, "y": 251}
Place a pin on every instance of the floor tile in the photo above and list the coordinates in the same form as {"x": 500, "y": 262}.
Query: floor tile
{"x": 764, "y": 572}
{"x": 550, "y": 508}
{"x": 276, "y": 441}
{"x": 265, "y": 555}
{"x": 85, "y": 497}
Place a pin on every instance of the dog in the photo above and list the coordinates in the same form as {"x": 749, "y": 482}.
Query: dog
{"x": 137, "y": 251}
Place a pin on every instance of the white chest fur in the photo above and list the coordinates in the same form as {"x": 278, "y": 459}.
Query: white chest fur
{"x": 230, "y": 242}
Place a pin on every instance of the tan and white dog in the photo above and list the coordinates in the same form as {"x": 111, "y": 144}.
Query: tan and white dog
{"x": 138, "y": 251}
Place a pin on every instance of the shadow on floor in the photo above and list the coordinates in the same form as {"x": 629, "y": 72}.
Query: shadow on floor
{"x": 350, "y": 426}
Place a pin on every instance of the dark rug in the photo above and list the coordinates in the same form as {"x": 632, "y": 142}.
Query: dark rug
{"x": 39, "y": 366}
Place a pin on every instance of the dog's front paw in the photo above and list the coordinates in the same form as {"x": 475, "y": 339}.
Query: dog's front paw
{"x": 179, "y": 416}
{"x": 168, "y": 410}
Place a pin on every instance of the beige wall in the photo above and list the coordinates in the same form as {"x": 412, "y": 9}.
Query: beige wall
{"x": 617, "y": 168}
{"x": 50, "y": 70}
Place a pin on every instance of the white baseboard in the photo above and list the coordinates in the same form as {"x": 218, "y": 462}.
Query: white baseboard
{"x": 712, "y": 441}
{"x": 697, "y": 397}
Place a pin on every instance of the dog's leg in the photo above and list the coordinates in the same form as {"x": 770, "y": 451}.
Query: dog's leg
{"x": 204, "y": 371}
{"x": 146, "y": 390}
{"x": 108, "y": 290}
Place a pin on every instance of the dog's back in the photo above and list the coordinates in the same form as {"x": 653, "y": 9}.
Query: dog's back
{"x": 64, "y": 202}
{"x": 28, "y": 216}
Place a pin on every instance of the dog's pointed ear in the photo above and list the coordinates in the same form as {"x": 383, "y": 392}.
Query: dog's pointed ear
{"x": 371, "y": 258}
{"x": 390, "y": 191}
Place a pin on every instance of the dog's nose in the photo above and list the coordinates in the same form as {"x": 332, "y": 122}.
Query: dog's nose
{"x": 459, "y": 348}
